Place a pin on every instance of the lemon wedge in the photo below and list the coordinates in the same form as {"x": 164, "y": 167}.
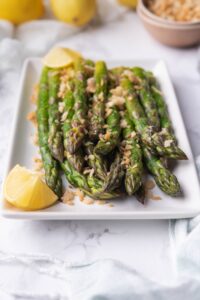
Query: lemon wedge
{"x": 26, "y": 190}
{"x": 60, "y": 57}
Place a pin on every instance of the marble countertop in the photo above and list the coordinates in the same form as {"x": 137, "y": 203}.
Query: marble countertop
{"x": 143, "y": 245}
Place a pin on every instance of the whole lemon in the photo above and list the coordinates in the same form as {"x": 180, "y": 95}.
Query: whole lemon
{"x": 19, "y": 11}
{"x": 75, "y": 12}
{"x": 129, "y": 3}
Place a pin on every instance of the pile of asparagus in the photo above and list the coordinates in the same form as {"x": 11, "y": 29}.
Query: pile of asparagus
{"x": 103, "y": 128}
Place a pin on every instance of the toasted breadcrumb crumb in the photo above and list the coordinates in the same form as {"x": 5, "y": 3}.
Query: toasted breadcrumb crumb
{"x": 101, "y": 202}
{"x": 156, "y": 197}
{"x": 88, "y": 201}
{"x": 179, "y": 10}
{"x": 150, "y": 184}
{"x": 68, "y": 197}
{"x": 80, "y": 194}
{"x": 31, "y": 116}
{"x": 34, "y": 96}
{"x": 91, "y": 87}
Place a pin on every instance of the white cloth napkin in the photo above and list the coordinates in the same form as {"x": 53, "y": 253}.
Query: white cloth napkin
{"x": 103, "y": 279}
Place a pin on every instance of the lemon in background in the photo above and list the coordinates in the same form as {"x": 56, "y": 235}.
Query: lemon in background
{"x": 129, "y": 3}
{"x": 27, "y": 190}
{"x": 75, "y": 12}
{"x": 19, "y": 11}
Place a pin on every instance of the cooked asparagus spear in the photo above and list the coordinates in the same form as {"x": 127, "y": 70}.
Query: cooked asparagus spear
{"x": 163, "y": 177}
{"x": 55, "y": 132}
{"x": 98, "y": 102}
{"x": 136, "y": 112}
{"x": 96, "y": 161}
{"x": 147, "y": 100}
{"x": 132, "y": 154}
{"x": 91, "y": 186}
{"x": 160, "y": 103}
{"x": 68, "y": 112}
{"x": 98, "y": 189}
{"x": 49, "y": 163}
{"x": 75, "y": 159}
{"x": 78, "y": 126}
{"x": 114, "y": 177}
{"x": 110, "y": 139}
{"x": 140, "y": 194}
{"x": 149, "y": 137}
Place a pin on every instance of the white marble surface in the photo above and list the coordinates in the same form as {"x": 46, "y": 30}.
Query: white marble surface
{"x": 143, "y": 245}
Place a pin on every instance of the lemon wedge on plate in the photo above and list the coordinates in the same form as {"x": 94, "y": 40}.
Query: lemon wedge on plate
{"x": 60, "y": 57}
{"x": 26, "y": 190}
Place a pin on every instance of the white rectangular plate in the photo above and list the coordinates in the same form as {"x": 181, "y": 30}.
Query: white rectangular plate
{"x": 22, "y": 152}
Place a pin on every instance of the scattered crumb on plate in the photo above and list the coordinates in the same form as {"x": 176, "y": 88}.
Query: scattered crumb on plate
{"x": 156, "y": 197}
{"x": 150, "y": 184}
{"x": 80, "y": 194}
{"x": 68, "y": 197}
{"x": 101, "y": 202}
{"x": 88, "y": 201}
{"x": 34, "y": 96}
{"x": 31, "y": 116}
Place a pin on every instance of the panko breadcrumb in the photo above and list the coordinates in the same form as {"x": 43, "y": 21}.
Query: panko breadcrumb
{"x": 176, "y": 10}
{"x": 68, "y": 197}
{"x": 31, "y": 116}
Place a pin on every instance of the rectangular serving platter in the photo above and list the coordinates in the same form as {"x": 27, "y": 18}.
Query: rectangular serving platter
{"x": 22, "y": 151}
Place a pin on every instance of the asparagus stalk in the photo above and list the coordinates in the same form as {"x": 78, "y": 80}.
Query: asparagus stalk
{"x": 132, "y": 153}
{"x": 147, "y": 100}
{"x": 49, "y": 163}
{"x": 136, "y": 112}
{"x": 95, "y": 161}
{"x": 78, "y": 125}
{"x": 151, "y": 139}
{"x": 140, "y": 194}
{"x": 114, "y": 177}
{"x": 91, "y": 186}
{"x": 167, "y": 181}
{"x": 110, "y": 139}
{"x": 98, "y": 189}
{"x": 75, "y": 159}
{"x": 55, "y": 132}
{"x": 160, "y": 103}
{"x": 98, "y": 103}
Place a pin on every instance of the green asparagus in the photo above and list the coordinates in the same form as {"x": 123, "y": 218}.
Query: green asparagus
{"x": 114, "y": 177}
{"x": 49, "y": 163}
{"x": 132, "y": 153}
{"x": 55, "y": 132}
{"x": 75, "y": 159}
{"x": 91, "y": 186}
{"x": 140, "y": 194}
{"x": 98, "y": 189}
{"x": 96, "y": 161}
{"x": 78, "y": 125}
{"x": 167, "y": 181}
{"x": 98, "y": 103}
{"x": 154, "y": 141}
{"x": 136, "y": 112}
{"x": 147, "y": 100}
{"x": 110, "y": 139}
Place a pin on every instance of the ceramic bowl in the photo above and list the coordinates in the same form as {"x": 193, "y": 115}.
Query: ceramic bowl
{"x": 171, "y": 33}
